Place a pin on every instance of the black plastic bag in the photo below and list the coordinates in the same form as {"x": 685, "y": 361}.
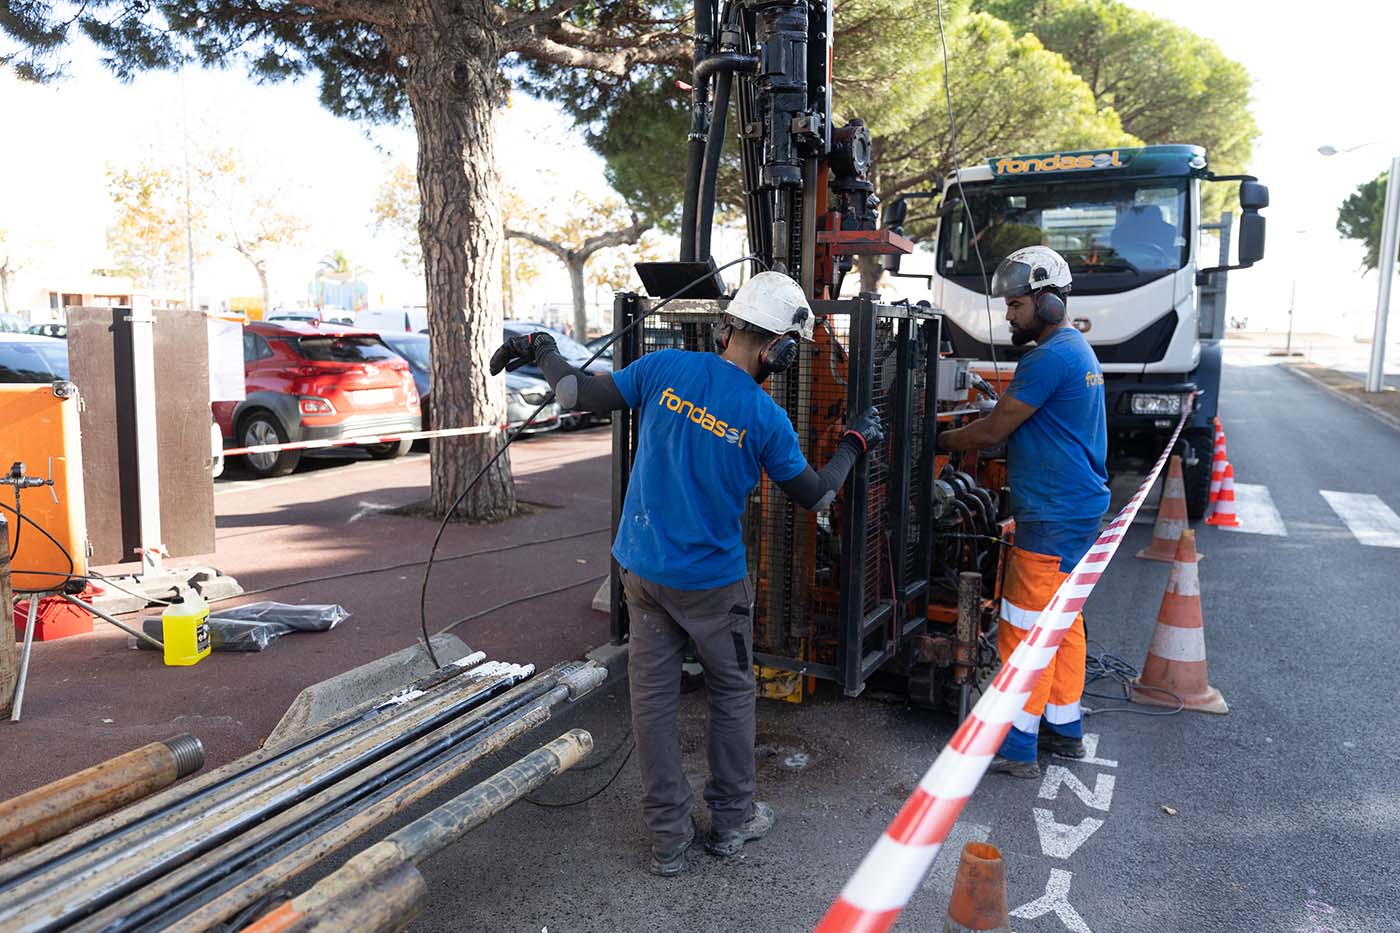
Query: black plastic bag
{"x": 253, "y": 627}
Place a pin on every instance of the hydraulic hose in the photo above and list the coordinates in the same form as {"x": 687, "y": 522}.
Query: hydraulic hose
{"x": 709, "y": 174}
{"x": 699, "y": 126}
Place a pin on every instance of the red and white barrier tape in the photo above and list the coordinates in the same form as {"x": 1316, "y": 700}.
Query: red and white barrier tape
{"x": 894, "y": 867}
{"x": 356, "y": 441}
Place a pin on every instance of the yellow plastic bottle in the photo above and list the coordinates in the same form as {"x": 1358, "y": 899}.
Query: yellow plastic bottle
{"x": 185, "y": 629}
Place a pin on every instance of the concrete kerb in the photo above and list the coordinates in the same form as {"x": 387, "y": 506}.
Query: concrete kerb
{"x": 1385, "y": 417}
{"x": 361, "y": 686}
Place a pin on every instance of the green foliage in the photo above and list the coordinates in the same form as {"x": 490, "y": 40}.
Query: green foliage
{"x": 1361, "y": 215}
{"x": 1167, "y": 84}
{"x": 147, "y": 240}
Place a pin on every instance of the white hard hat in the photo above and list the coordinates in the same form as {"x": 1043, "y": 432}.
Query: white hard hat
{"x": 773, "y": 302}
{"x": 1029, "y": 270}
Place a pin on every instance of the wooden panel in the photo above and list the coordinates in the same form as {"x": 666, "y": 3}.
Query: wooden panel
{"x": 99, "y": 362}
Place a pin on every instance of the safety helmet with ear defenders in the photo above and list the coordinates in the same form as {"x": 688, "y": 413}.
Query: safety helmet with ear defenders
{"x": 1038, "y": 271}
{"x": 771, "y": 303}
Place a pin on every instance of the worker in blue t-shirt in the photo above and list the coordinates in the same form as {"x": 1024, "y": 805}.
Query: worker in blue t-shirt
{"x": 707, "y": 430}
{"x": 1053, "y": 422}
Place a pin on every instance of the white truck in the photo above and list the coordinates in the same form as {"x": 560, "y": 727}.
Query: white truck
{"x": 1148, "y": 294}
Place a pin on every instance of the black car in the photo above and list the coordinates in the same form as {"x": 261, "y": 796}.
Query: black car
{"x": 32, "y": 358}
{"x": 573, "y": 351}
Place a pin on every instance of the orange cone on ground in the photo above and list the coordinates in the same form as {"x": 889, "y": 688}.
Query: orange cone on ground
{"x": 1217, "y": 464}
{"x": 1171, "y": 517}
{"x": 1176, "y": 659}
{"x": 979, "y": 894}
{"x": 1224, "y": 512}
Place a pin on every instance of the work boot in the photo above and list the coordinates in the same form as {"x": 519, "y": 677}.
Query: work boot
{"x": 726, "y": 843}
{"x": 670, "y": 862}
{"x": 1019, "y": 769}
{"x": 1061, "y": 746}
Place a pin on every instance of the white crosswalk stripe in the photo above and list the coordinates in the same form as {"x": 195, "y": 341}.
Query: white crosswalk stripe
{"x": 1373, "y": 522}
{"x": 1256, "y": 510}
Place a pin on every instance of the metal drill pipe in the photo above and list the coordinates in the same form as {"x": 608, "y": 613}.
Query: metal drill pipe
{"x": 177, "y": 887}
{"x": 85, "y": 839}
{"x": 55, "y": 808}
{"x": 292, "y": 859}
{"x": 384, "y": 904}
{"x": 46, "y": 902}
{"x": 426, "y": 836}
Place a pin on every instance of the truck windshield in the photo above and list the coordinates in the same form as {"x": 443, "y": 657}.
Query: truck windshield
{"x": 1115, "y": 235}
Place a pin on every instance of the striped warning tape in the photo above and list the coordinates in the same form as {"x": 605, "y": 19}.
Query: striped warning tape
{"x": 365, "y": 439}
{"x": 893, "y": 868}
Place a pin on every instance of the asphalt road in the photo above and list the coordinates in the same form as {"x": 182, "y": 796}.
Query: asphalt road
{"x": 1286, "y": 810}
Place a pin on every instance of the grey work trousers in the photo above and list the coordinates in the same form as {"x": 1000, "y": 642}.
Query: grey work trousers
{"x": 720, "y": 620}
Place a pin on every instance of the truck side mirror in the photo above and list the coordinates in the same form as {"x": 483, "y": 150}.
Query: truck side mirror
{"x": 1253, "y": 196}
{"x": 893, "y": 214}
{"x": 1251, "y": 234}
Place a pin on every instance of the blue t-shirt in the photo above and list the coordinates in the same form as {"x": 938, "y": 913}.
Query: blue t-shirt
{"x": 1055, "y": 459}
{"x": 707, "y": 428}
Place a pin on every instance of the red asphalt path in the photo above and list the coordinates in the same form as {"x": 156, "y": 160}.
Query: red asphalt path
{"x": 91, "y": 697}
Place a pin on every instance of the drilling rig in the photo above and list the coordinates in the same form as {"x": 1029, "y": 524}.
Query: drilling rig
{"x": 900, "y": 579}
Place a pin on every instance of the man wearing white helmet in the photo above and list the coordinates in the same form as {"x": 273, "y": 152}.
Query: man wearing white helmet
{"x": 707, "y": 430}
{"x": 1053, "y": 421}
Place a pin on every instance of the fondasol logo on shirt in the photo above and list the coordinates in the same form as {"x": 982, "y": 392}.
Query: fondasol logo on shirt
{"x": 1060, "y": 162}
{"x": 699, "y": 416}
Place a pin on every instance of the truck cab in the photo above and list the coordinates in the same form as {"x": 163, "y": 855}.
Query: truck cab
{"x": 1148, "y": 294}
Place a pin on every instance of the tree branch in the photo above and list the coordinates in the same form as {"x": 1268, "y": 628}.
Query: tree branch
{"x": 546, "y": 244}
{"x": 617, "y": 63}
{"x": 628, "y": 234}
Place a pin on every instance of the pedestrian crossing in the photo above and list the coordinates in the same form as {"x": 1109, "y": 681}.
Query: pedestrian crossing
{"x": 1368, "y": 517}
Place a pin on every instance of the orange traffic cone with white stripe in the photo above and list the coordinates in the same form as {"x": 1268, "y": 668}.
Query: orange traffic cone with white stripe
{"x": 979, "y": 893}
{"x": 1175, "y": 669}
{"x": 1224, "y": 511}
{"x": 1171, "y": 517}
{"x": 1217, "y": 464}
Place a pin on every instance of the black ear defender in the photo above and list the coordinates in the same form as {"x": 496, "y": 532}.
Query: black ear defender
{"x": 1049, "y": 307}
{"x": 778, "y": 355}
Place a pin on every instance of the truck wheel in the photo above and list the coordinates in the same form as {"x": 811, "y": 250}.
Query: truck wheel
{"x": 263, "y": 428}
{"x": 1197, "y": 477}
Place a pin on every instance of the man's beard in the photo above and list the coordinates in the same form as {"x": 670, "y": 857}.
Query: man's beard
{"x": 1020, "y": 336}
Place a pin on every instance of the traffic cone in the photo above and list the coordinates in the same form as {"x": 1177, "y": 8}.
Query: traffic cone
{"x": 1171, "y": 516}
{"x": 979, "y": 893}
{"x": 1217, "y": 464}
{"x": 1176, "y": 659}
{"x": 1224, "y": 512}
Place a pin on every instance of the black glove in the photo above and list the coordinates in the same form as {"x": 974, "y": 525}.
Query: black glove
{"x": 866, "y": 430}
{"x": 522, "y": 351}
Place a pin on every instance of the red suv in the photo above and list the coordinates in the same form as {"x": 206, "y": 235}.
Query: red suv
{"x": 316, "y": 382}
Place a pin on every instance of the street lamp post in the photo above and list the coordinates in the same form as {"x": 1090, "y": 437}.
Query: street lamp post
{"x": 1385, "y": 266}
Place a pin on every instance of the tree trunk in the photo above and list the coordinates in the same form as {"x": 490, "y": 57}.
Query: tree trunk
{"x": 5, "y": 285}
{"x": 871, "y": 270}
{"x": 261, "y": 267}
{"x": 454, "y": 88}
{"x": 507, "y": 282}
{"x": 580, "y": 297}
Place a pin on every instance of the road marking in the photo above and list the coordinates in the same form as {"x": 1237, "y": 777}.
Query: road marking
{"x": 1100, "y": 798}
{"x": 1370, "y": 520}
{"x": 1256, "y": 511}
{"x": 370, "y": 508}
{"x": 1091, "y": 752}
{"x": 943, "y": 874}
{"x": 1055, "y": 900}
{"x": 1060, "y": 840}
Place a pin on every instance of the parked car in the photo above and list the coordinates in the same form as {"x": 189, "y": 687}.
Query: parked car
{"x": 593, "y": 345}
{"x": 523, "y": 393}
{"x": 12, "y": 324}
{"x": 32, "y": 358}
{"x": 575, "y": 353}
{"x": 308, "y": 382}
{"x": 53, "y": 329}
{"x": 406, "y": 320}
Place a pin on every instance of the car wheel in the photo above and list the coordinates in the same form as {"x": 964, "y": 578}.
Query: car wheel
{"x": 262, "y": 428}
{"x": 390, "y": 450}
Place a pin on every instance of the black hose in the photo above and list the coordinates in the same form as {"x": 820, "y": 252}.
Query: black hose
{"x": 699, "y": 125}
{"x": 709, "y": 173}
{"x": 694, "y": 160}
{"x": 722, "y": 63}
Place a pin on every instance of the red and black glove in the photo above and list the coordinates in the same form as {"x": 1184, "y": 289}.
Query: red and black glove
{"x": 522, "y": 350}
{"x": 867, "y": 430}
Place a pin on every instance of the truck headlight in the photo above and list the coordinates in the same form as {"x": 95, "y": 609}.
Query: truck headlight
{"x": 1144, "y": 404}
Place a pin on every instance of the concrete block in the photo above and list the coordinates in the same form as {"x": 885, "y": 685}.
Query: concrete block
{"x": 211, "y": 583}
{"x": 361, "y": 686}
{"x": 602, "y": 600}
{"x": 613, "y": 657}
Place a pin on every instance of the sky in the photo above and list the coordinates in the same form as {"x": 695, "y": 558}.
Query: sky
{"x": 1318, "y": 78}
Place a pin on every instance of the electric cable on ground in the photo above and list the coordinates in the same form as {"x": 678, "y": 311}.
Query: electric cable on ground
{"x": 511, "y": 437}
{"x": 1105, "y": 666}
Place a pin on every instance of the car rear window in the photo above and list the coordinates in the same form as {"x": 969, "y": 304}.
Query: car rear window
{"x": 349, "y": 349}
{"x": 33, "y": 362}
